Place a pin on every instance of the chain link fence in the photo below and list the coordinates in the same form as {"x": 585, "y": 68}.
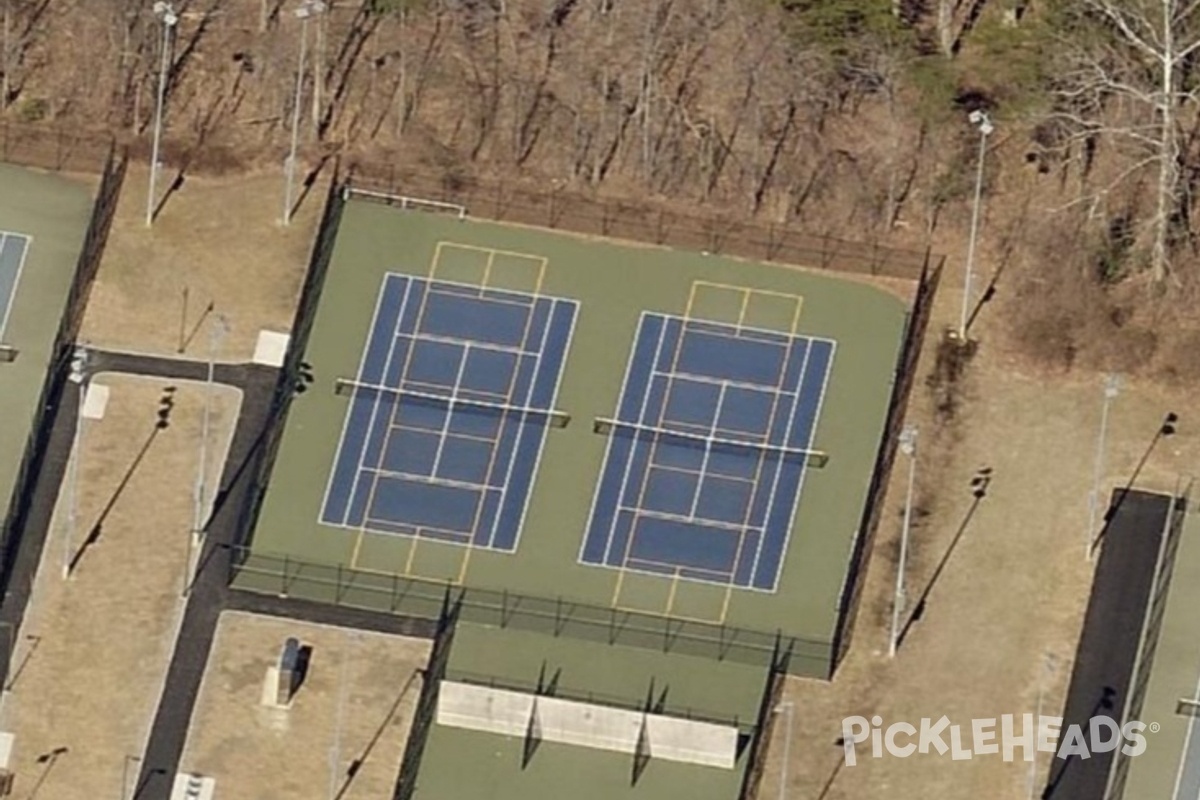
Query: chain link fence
{"x": 657, "y": 223}
{"x": 53, "y": 147}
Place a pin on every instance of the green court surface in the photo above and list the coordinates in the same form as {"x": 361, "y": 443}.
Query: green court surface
{"x": 518, "y": 660}
{"x": 460, "y": 763}
{"x": 613, "y": 283}
{"x": 1170, "y": 766}
{"x": 52, "y": 213}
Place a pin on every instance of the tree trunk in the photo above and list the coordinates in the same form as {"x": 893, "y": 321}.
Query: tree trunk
{"x": 1168, "y": 150}
{"x": 945, "y": 26}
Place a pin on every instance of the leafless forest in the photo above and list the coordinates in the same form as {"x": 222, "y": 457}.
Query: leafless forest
{"x": 847, "y": 117}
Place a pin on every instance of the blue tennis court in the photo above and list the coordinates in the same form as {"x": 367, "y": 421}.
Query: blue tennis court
{"x": 13, "y": 247}
{"x": 449, "y": 412}
{"x": 708, "y": 451}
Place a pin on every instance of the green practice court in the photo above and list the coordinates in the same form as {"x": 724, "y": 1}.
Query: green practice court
{"x": 668, "y": 434}
{"x": 641, "y": 472}
{"x": 43, "y": 219}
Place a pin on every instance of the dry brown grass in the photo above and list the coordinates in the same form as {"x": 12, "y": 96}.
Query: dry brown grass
{"x": 1016, "y": 586}
{"x": 261, "y": 753}
{"x": 90, "y": 680}
{"x": 222, "y": 241}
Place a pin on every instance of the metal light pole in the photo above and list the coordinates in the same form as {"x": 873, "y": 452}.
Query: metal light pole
{"x": 129, "y": 759}
{"x": 908, "y": 446}
{"x": 1043, "y": 675}
{"x": 335, "y": 749}
{"x": 77, "y": 375}
{"x": 981, "y": 120}
{"x": 167, "y": 16}
{"x": 1112, "y": 387}
{"x": 787, "y": 707}
{"x": 219, "y": 328}
{"x": 307, "y": 10}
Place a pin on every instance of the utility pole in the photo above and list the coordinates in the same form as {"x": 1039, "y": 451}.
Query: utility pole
{"x": 167, "y": 16}
{"x": 982, "y": 121}
{"x": 216, "y": 333}
{"x": 78, "y": 376}
{"x": 908, "y": 446}
{"x": 787, "y": 707}
{"x": 335, "y": 748}
{"x": 1112, "y": 387}
{"x": 307, "y": 10}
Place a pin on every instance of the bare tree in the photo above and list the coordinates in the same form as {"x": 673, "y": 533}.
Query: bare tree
{"x": 1127, "y": 84}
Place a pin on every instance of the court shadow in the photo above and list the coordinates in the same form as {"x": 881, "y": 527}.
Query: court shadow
{"x": 48, "y": 761}
{"x": 1167, "y": 428}
{"x": 979, "y": 488}
{"x": 303, "y": 662}
{"x": 837, "y": 769}
{"x": 357, "y": 764}
{"x": 142, "y": 792}
{"x": 310, "y": 180}
{"x": 35, "y": 642}
{"x": 166, "y": 406}
{"x": 1106, "y": 702}
{"x": 186, "y": 337}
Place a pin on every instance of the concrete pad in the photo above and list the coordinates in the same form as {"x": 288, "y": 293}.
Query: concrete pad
{"x": 346, "y": 726}
{"x": 508, "y": 713}
{"x": 271, "y": 348}
{"x": 95, "y": 401}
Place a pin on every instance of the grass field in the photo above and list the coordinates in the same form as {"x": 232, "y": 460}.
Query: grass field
{"x": 613, "y": 284}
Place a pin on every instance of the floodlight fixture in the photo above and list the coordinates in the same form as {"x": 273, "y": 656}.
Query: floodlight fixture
{"x": 981, "y": 120}
{"x": 166, "y": 14}
{"x": 310, "y": 8}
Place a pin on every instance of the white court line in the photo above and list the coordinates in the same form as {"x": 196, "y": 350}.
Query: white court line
{"x": 562, "y": 367}
{"x": 633, "y": 448}
{"x": 608, "y": 449}
{"x": 727, "y": 331}
{"x": 787, "y": 436}
{"x": 684, "y": 470}
{"x": 650, "y": 513}
{"x": 437, "y": 338}
{"x": 12, "y": 296}
{"x": 362, "y": 362}
{"x": 758, "y": 387}
{"x": 812, "y": 435}
{"x": 387, "y": 366}
{"x": 470, "y": 437}
{"x": 1183, "y": 756}
{"x": 718, "y": 577}
{"x": 480, "y": 294}
{"x": 521, "y": 428}
{"x": 417, "y": 386}
{"x": 458, "y": 375}
{"x": 754, "y": 329}
{"x": 383, "y": 472}
{"x": 707, "y": 452}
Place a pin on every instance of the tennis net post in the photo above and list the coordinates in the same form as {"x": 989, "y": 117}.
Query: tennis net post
{"x": 813, "y": 458}
{"x": 554, "y": 417}
{"x": 8, "y": 354}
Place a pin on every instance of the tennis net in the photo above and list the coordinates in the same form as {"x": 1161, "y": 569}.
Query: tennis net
{"x": 813, "y": 458}
{"x": 553, "y": 417}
